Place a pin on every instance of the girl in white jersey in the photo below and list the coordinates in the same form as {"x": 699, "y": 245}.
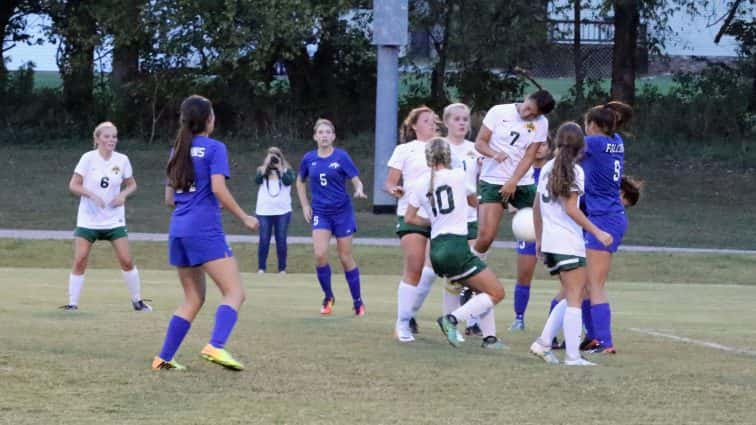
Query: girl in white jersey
{"x": 559, "y": 225}
{"x": 97, "y": 179}
{"x": 407, "y": 165}
{"x": 445, "y": 200}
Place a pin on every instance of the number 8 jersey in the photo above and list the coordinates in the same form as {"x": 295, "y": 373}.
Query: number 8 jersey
{"x": 446, "y": 205}
{"x": 103, "y": 178}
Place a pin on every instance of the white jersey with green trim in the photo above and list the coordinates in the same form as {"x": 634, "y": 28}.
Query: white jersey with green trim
{"x": 409, "y": 158}
{"x": 446, "y": 205}
{"x": 466, "y": 157}
{"x": 512, "y": 135}
{"x": 103, "y": 178}
{"x": 560, "y": 233}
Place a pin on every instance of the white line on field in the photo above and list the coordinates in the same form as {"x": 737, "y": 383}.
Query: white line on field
{"x": 707, "y": 344}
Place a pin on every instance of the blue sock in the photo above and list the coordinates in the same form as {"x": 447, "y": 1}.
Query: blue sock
{"x": 353, "y": 279}
{"x": 521, "y": 298}
{"x": 324, "y": 277}
{"x": 225, "y": 319}
{"x": 588, "y": 320}
{"x": 602, "y": 324}
{"x": 177, "y": 329}
{"x": 554, "y": 302}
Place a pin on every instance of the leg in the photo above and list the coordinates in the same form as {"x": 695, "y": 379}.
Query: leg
{"x": 573, "y": 282}
{"x": 351, "y": 272}
{"x": 225, "y": 274}
{"x": 427, "y": 277}
{"x": 413, "y": 247}
{"x": 489, "y": 218}
{"x": 599, "y": 263}
{"x": 490, "y": 292}
{"x": 266, "y": 223}
{"x": 130, "y": 273}
{"x": 526, "y": 264}
{"x": 281, "y": 230}
{"x": 82, "y": 248}
{"x": 320, "y": 239}
{"x": 193, "y": 282}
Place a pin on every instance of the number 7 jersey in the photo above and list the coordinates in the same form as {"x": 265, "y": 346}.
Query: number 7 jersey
{"x": 103, "y": 178}
{"x": 446, "y": 205}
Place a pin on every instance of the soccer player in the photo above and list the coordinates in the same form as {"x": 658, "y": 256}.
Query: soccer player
{"x": 407, "y": 166}
{"x": 559, "y": 225}
{"x": 197, "y": 171}
{"x": 446, "y": 198}
{"x": 98, "y": 179}
{"x": 603, "y": 162}
{"x": 327, "y": 169}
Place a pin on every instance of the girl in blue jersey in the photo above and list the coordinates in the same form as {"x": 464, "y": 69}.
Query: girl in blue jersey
{"x": 603, "y": 163}
{"x": 196, "y": 186}
{"x": 327, "y": 170}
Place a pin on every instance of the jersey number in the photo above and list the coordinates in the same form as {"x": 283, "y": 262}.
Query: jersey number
{"x": 617, "y": 170}
{"x": 437, "y": 204}
{"x": 323, "y": 181}
{"x": 105, "y": 182}
{"x": 515, "y": 136}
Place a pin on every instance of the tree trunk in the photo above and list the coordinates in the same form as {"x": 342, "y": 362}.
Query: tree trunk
{"x": 127, "y": 43}
{"x": 626, "y": 22}
{"x": 438, "y": 75}
{"x": 577, "y": 56}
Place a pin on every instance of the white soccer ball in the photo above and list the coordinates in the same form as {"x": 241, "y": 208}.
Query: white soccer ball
{"x": 522, "y": 225}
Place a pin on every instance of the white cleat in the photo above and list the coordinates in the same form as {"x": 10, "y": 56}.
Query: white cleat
{"x": 579, "y": 362}
{"x": 403, "y": 332}
{"x": 544, "y": 352}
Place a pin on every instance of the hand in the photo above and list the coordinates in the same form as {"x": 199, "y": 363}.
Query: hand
{"x": 307, "y": 211}
{"x": 500, "y": 157}
{"x": 508, "y": 189}
{"x": 396, "y": 192}
{"x": 118, "y": 201}
{"x": 604, "y": 238}
{"x": 97, "y": 200}
{"x": 251, "y": 222}
{"x": 359, "y": 193}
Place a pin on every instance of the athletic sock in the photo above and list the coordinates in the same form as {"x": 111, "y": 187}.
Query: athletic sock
{"x": 133, "y": 284}
{"x": 487, "y": 323}
{"x": 405, "y": 299}
{"x": 521, "y": 298}
{"x": 587, "y": 320}
{"x": 553, "y": 323}
{"x": 451, "y": 298}
{"x": 174, "y": 335}
{"x": 477, "y": 305}
{"x": 225, "y": 319}
{"x": 353, "y": 280}
{"x": 602, "y": 323}
{"x": 324, "y": 278}
{"x": 572, "y": 327}
{"x": 75, "y": 283}
{"x": 423, "y": 288}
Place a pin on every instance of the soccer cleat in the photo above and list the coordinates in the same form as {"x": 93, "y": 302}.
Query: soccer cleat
{"x": 517, "y": 325}
{"x": 588, "y": 344}
{"x": 493, "y": 343}
{"x": 556, "y": 345}
{"x": 359, "y": 310}
{"x": 460, "y": 337}
{"x": 601, "y": 349}
{"x": 413, "y": 326}
{"x": 327, "y": 307}
{"x": 160, "y": 364}
{"x": 403, "y": 332}
{"x": 69, "y": 307}
{"x": 473, "y": 330}
{"x": 221, "y": 357}
{"x": 261, "y": 271}
{"x": 448, "y": 325}
{"x": 578, "y": 362}
{"x": 141, "y": 305}
{"x": 544, "y": 352}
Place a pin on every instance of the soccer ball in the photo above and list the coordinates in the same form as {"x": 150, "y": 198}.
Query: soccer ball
{"x": 522, "y": 225}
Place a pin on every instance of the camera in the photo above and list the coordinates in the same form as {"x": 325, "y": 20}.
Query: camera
{"x": 274, "y": 159}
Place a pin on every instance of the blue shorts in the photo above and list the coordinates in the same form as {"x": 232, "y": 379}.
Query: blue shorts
{"x": 193, "y": 251}
{"x": 614, "y": 224}
{"x": 340, "y": 224}
{"x": 526, "y": 248}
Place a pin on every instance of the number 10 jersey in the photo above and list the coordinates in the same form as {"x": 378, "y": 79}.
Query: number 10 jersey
{"x": 446, "y": 204}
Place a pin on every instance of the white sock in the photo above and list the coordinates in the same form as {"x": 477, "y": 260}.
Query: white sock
{"x": 131, "y": 278}
{"x": 573, "y": 324}
{"x": 487, "y": 323}
{"x": 405, "y": 298}
{"x": 482, "y": 255}
{"x": 553, "y": 323}
{"x": 75, "y": 282}
{"x": 477, "y": 305}
{"x": 423, "y": 288}
{"x": 451, "y": 298}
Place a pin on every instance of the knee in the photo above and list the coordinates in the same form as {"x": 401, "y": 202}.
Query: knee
{"x": 79, "y": 265}
{"x": 346, "y": 260}
{"x": 194, "y": 303}
{"x": 497, "y": 294}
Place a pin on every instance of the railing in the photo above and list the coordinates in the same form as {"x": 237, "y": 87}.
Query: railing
{"x": 591, "y": 32}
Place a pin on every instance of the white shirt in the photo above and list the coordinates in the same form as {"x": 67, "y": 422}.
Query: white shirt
{"x": 448, "y": 210}
{"x": 512, "y": 135}
{"x": 273, "y": 197}
{"x": 104, "y": 179}
{"x": 409, "y": 158}
{"x": 560, "y": 234}
{"x": 466, "y": 157}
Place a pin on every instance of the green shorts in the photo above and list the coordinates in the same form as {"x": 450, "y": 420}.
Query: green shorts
{"x": 472, "y": 230}
{"x": 93, "y": 235}
{"x": 403, "y": 228}
{"x": 524, "y": 196}
{"x": 451, "y": 257}
{"x": 557, "y": 263}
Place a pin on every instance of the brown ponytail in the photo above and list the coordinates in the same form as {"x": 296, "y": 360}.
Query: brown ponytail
{"x": 610, "y": 117}
{"x": 195, "y": 113}
{"x": 569, "y": 142}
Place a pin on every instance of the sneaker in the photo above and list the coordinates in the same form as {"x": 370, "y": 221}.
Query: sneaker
{"x": 473, "y": 330}
{"x": 327, "y": 307}
{"x": 601, "y": 349}
{"x": 261, "y": 271}
{"x": 359, "y": 310}
{"x": 141, "y": 305}
{"x": 517, "y": 325}
{"x": 544, "y": 352}
{"x": 578, "y": 362}
{"x": 221, "y": 357}
{"x": 556, "y": 345}
{"x": 493, "y": 343}
{"x": 403, "y": 332}
{"x": 69, "y": 307}
{"x": 282, "y": 272}
{"x": 448, "y": 325}
{"x": 160, "y": 364}
{"x": 413, "y": 326}
{"x": 588, "y": 344}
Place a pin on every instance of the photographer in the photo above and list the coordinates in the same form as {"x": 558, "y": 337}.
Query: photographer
{"x": 273, "y": 210}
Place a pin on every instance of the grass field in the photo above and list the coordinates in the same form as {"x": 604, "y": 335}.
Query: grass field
{"x": 92, "y": 366}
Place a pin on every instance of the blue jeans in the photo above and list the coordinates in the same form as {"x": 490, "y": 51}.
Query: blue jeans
{"x": 277, "y": 225}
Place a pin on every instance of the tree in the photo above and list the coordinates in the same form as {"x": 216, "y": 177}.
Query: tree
{"x": 13, "y": 27}
{"x": 626, "y": 23}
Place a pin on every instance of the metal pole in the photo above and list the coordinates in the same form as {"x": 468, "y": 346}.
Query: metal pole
{"x": 386, "y": 128}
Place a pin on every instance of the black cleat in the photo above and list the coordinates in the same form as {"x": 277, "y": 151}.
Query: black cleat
{"x": 141, "y": 305}
{"x": 413, "y": 326}
{"x": 473, "y": 330}
{"x": 69, "y": 307}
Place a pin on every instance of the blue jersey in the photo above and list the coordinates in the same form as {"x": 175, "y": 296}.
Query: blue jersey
{"x": 328, "y": 178}
{"x": 603, "y": 164}
{"x": 536, "y": 174}
{"x": 197, "y": 210}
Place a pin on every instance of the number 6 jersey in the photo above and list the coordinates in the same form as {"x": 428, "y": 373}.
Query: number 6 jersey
{"x": 446, "y": 205}
{"x": 103, "y": 178}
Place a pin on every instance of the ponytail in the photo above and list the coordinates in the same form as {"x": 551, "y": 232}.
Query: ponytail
{"x": 610, "y": 117}
{"x": 569, "y": 143}
{"x": 195, "y": 113}
{"x": 437, "y": 152}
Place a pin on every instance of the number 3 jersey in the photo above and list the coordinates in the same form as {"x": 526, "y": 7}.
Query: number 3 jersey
{"x": 512, "y": 135}
{"x": 103, "y": 178}
{"x": 560, "y": 233}
{"x": 446, "y": 204}
{"x": 603, "y": 163}
{"x": 327, "y": 177}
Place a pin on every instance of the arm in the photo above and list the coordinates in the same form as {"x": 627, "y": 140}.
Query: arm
{"x": 509, "y": 188}
{"x": 131, "y": 187}
{"x": 287, "y": 178}
{"x": 392, "y": 183}
{"x": 537, "y": 223}
{"x": 411, "y": 217}
{"x": 472, "y": 200}
{"x": 358, "y": 188}
{"x": 573, "y": 210}
{"x": 259, "y": 176}
{"x": 76, "y": 186}
{"x": 483, "y": 145}
{"x": 227, "y": 201}
{"x": 169, "y": 199}
{"x": 302, "y": 194}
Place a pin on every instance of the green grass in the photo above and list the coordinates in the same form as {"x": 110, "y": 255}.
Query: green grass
{"x": 92, "y": 366}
